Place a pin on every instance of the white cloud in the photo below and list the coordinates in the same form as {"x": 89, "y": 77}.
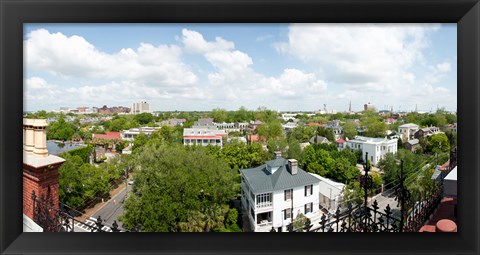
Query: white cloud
{"x": 75, "y": 57}
{"x": 235, "y": 80}
{"x": 263, "y": 38}
{"x": 367, "y": 61}
{"x": 195, "y": 43}
{"x": 358, "y": 62}
{"x": 444, "y": 67}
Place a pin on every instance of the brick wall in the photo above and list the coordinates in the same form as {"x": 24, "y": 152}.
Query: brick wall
{"x": 44, "y": 181}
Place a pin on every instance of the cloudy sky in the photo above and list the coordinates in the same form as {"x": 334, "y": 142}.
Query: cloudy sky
{"x": 287, "y": 67}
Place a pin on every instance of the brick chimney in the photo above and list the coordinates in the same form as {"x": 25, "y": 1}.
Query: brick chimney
{"x": 40, "y": 170}
{"x": 278, "y": 154}
{"x": 293, "y": 165}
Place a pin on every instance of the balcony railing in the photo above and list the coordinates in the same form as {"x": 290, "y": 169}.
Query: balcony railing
{"x": 264, "y": 223}
{"x": 264, "y": 205}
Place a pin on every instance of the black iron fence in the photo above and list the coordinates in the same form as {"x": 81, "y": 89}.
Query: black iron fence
{"x": 58, "y": 218}
{"x": 364, "y": 218}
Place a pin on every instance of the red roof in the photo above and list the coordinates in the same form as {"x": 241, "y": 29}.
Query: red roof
{"x": 254, "y": 138}
{"x": 108, "y": 136}
{"x": 340, "y": 141}
{"x": 315, "y": 124}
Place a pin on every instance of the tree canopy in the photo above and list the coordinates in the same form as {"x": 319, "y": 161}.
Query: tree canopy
{"x": 60, "y": 130}
{"x": 180, "y": 189}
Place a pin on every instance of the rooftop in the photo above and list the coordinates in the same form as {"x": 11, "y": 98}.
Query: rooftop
{"x": 364, "y": 139}
{"x": 261, "y": 180}
{"x": 108, "y": 135}
{"x": 409, "y": 125}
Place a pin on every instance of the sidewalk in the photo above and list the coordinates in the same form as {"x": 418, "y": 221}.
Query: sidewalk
{"x": 90, "y": 211}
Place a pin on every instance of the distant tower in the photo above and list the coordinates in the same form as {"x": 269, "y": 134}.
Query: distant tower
{"x": 350, "y": 106}
{"x": 416, "y": 109}
{"x": 325, "y": 107}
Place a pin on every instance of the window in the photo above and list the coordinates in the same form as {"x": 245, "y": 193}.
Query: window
{"x": 264, "y": 200}
{"x": 308, "y": 190}
{"x": 308, "y": 208}
{"x": 287, "y": 213}
{"x": 288, "y": 194}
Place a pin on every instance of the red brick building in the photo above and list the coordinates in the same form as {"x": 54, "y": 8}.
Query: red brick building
{"x": 40, "y": 170}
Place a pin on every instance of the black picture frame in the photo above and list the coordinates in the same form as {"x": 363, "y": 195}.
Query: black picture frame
{"x": 13, "y": 14}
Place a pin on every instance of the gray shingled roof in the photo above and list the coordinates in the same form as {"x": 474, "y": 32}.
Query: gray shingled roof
{"x": 261, "y": 180}
{"x": 318, "y": 139}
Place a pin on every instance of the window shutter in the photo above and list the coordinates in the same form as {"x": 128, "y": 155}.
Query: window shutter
{"x": 306, "y": 190}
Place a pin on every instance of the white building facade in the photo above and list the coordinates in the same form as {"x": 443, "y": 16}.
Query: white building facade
{"x": 274, "y": 193}
{"x": 140, "y": 107}
{"x": 130, "y": 134}
{"x": 203, "y": 136}
{"x": 330, "y": 193}
{"x": 407, "y": 131}
{"x": 377, "y": 148}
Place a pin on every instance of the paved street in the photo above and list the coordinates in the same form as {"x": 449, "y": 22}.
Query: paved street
{"x": 89, "y": 225}
{"x": 112, "y": 208}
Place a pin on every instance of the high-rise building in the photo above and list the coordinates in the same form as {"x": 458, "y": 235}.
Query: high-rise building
{"x": 140, "y": 107}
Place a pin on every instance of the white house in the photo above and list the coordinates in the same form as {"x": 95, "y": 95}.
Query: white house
{"x": 203, "y": 136}
{"x": 130, "y": 134}
{"x": 407, "y": 131}
{"x": 376, "y": 147}
{"x": 330, "y": 193}
{"x": 271, "y": 193}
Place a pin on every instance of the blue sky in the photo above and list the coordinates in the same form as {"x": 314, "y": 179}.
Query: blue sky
{"x": 287, "y": 67}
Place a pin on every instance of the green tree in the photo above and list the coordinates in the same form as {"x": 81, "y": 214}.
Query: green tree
{"x": 271, "y": 130}
{"x": 349, "y": 129}
{"x": 219, "y": 115}
{"x": 438, "y": 143}
{"x": 344, "y": 171}
{"x": 294, "y": 150}
{"x": 70, "y": 188}
{"x": 139, "y": 141}
{"x": 144, "y": 118}
{"x": 179, "y": 189}
{"x": 390, "y": 168}
{"x": 327, "y": 133}
{"x": 299, "y": 222}
{"x": 60, "y": 130}
{"x": 353, "y": 194}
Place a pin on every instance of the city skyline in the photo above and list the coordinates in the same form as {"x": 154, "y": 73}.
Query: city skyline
{"x": 286, "y": 67}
